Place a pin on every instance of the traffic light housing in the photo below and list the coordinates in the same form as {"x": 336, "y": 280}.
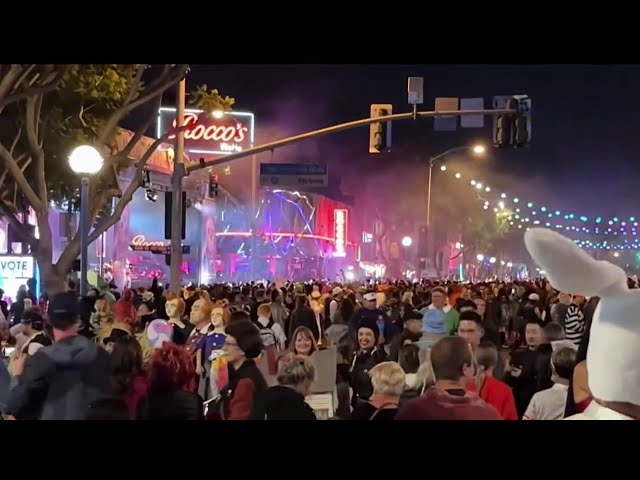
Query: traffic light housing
{"x": 213, "y": 186}
{"x": 380, "y": 132}
{"x": 512, "y": 129}
{"x": 168, "y": 213}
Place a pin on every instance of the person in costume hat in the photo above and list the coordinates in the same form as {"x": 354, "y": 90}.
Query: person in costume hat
{"x": 371, "y": 312}
{"x": 369, "y": 354}
{"x": 613, "y": 357}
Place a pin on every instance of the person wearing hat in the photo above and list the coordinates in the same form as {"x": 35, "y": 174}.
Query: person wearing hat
{"x": 369, "y": 354}
{"x": 60, "y": 381}
{"x": 334, "y": 304}
{"x": 34, "y": 330}
{"x": 371, "y": 313}
{"x": 242, "y": 346}
{"x": 411, "y": 333}
{"x": 613, "y": 355}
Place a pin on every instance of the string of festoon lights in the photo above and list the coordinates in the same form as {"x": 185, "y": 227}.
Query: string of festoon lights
{"x": 524, "y": 214}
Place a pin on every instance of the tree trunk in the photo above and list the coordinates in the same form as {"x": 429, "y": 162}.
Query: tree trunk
{"x": 51, "y": 280}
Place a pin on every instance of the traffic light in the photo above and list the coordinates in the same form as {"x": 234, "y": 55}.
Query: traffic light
{"x": 168, "y": 212}
{"x": 213, "y": 186}
{"x": 380, "y": 132}
{"x": 512, "y": 129}
{"x": 522, "y": 124}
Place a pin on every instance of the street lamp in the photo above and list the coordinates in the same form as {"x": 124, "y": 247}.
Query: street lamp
{"x": 407, "y": 241}
{"x": 85, "y": 161}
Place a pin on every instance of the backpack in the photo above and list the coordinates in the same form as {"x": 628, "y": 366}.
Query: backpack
{"x": 269, "y": 338}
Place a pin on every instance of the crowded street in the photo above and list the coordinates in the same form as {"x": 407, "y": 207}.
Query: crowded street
{"x": 227, "y": 258}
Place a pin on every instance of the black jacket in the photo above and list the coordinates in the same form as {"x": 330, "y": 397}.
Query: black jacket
{"x": 359, "y": 379}
{"x": 173, "y": 405}
{"x": 245, "y": 385}
{"x": 61, "y": 381}
{"x": 281, "y": 403}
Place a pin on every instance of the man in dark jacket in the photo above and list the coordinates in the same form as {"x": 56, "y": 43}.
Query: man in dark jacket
{"x": 61, "y": 381}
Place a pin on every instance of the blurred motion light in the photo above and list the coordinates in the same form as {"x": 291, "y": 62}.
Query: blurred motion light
{"x": 479, "y": 149}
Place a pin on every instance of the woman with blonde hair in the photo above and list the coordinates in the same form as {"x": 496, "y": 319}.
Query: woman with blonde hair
{"x": 302, "y": 342}
{"x": 286, "y": 401}
{"x": 388, "y": 380}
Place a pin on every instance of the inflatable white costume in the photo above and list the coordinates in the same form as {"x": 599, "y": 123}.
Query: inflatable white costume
{"x": 613, "y": 356}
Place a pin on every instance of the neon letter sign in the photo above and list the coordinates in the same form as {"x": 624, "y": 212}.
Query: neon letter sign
{"x": 139, "y": 243}
{"x": 340, "y": 221}
{"x": 214, "y": 133}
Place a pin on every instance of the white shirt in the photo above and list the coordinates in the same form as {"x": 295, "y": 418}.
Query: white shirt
{"x": 595, "y": 411}
{"x": 548, "y": 404}
{"x": 277, "y": 330}
{"x": 333, "y": 308}
{"x": 32, "y": 347}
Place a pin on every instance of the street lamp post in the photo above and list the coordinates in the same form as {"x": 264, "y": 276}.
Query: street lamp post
{"x": 476, "y": 149}
{"x": 85, "y": 161}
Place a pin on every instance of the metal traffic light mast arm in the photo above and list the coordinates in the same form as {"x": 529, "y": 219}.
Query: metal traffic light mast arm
{"x": 340, "y": 127}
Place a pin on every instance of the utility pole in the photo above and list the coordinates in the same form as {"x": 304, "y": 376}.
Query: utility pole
{"x": 175, "y": 277}
{"x": 254, "y": 211}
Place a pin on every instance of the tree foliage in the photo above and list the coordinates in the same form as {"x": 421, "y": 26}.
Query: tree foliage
{"x": 47, "y": 110}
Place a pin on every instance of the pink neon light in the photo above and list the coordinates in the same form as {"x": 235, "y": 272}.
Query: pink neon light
{"x": 279, "y": 234}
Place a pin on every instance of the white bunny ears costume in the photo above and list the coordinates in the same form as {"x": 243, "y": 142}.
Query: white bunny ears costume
{"x": 613, "y": 359}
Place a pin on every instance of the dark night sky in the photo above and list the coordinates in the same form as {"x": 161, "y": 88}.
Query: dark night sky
{"x": 586, "y": 120}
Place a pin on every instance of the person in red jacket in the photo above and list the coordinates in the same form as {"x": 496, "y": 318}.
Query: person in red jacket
{"x": 496, "y": 393}
{"x": 453, "y": 367}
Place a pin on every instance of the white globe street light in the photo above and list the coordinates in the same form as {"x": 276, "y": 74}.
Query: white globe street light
{"x": 492, "y": 260}
{"x": 407, "y": 241}
{"x": 480, "y": 257}
{"x": 85, "y": 160}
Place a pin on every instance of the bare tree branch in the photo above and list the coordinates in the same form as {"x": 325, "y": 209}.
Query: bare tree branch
{"x": 152, "y": 92}
{"x": 15, "y": 140}
{"x": 9, "y": 80}
{"x": 24, "y": 75}
{"x": 39, "y": 89}
{"x": 131, "y": 189}
{"x": 20, "y": 179}
{"x": 33, "y": 119}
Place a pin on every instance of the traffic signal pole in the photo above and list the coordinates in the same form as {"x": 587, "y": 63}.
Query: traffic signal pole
{"x": 175, "y": 272}
{"x": 339, "y": 128}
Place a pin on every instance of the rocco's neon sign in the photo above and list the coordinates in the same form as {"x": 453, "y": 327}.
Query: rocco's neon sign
{"x": 212, "y": 133}
{"x": 205, "y": 133}
{"x": 140, "y": 243}
{"x": 340, "y": 220}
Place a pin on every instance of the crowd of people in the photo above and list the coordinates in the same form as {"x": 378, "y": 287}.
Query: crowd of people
{"x": 399, "y": 350}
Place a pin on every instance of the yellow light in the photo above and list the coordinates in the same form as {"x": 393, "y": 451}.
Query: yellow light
{"x": 458, "y": 175}
{"x": 479, "y": 149}
{"x": 217, "y": 114}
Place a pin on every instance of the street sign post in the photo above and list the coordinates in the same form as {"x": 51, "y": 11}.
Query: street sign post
{"x": 293, "y": 175}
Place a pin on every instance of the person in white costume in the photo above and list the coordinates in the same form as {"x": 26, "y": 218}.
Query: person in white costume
{"x": 613, "y": 359}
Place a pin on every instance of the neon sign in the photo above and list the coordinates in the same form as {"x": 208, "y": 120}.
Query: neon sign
{"x": 140, "y": 244}
{"x": 204, "y": 133}
{"x": 340, "y": 216}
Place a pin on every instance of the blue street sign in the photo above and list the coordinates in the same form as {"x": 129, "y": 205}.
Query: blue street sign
{"x": 293, "y": 175}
